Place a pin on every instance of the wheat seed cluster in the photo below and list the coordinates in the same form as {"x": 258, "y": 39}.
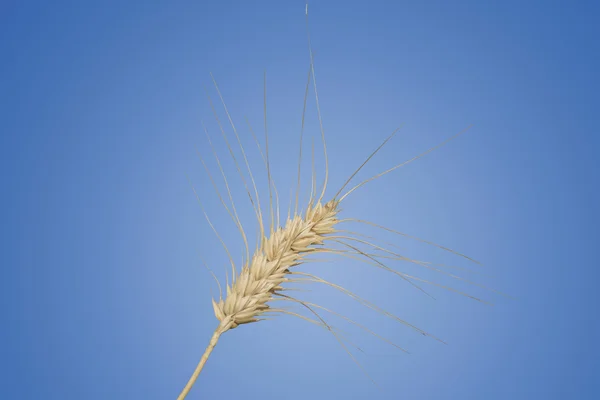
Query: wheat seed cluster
{"x": 248, "y": 295}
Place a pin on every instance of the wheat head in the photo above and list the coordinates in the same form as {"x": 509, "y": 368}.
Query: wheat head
{"x": 259, "y": 281}
{"x": 281, "y": 249}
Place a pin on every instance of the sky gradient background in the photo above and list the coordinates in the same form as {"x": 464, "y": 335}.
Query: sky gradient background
{"x": 103, "y": 293}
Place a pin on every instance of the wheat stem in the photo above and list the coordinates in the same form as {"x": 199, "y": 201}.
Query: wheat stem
{"x": 222, "y": 328}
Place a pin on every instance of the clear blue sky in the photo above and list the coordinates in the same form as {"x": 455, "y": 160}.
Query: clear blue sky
{"x": 103, "y": 294}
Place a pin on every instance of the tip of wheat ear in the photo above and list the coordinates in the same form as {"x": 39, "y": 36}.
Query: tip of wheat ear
{"x": 261, "y": 278}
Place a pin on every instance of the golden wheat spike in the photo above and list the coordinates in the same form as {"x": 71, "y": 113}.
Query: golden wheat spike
{"x": 282, "y": 250}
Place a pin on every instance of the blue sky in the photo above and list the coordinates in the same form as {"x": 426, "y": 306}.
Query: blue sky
{"x": 104, "y": 295}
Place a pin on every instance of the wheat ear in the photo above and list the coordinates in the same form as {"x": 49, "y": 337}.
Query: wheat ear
{"x": 282, "y": 248}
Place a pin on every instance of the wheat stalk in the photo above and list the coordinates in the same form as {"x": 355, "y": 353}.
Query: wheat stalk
{"x": 281, "y": 249}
